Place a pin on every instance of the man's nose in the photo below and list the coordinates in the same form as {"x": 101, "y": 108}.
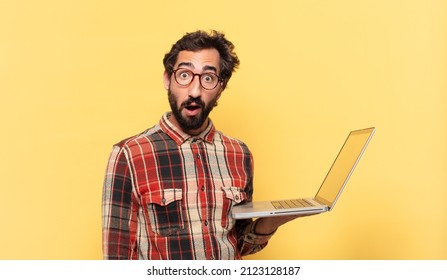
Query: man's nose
{"x": 195, "y": 88}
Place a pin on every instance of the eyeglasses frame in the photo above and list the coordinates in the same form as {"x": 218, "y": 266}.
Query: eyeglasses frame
{"x": 219, "y": 79}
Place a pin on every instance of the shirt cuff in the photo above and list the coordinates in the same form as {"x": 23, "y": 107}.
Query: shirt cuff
{"x": 250, "y": 236}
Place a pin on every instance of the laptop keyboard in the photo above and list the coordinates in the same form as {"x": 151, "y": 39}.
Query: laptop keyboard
{"x": 293, "y": 203}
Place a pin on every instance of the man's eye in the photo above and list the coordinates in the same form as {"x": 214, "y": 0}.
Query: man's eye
{"x": 208, "y": 78}
{"x": 184, "y": 75}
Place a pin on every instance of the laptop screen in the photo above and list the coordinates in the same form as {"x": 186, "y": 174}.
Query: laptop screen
{"x": 343, "y": 166}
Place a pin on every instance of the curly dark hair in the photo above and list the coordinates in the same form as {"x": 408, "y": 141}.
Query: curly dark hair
{"x": 200, "y": 40}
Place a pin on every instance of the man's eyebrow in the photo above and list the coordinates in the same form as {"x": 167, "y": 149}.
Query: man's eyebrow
{"x": 208, "y": 67}
{"x": 187, "y": 64}
{"x": 190, "y": 65}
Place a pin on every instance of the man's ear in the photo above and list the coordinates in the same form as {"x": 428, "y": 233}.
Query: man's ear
{"x": 166, "y": 80}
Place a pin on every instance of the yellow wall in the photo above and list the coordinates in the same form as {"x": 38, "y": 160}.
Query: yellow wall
{"x": 77, "y": 76}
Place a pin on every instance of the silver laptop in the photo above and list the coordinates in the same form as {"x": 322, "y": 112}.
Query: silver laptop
{"x": 329, "y": 191}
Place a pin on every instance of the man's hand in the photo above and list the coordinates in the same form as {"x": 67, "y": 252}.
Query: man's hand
{"x": 269, "y": 225}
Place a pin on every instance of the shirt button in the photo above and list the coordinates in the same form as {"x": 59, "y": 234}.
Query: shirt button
{"x": 203, "y": 188}
{"x": 206, "y": 223}
{"x": 163, "y": 200}
{"x": 198, "y": 156}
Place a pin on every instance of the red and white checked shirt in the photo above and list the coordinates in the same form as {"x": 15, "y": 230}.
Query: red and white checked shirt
{"x": 168, "y": 195}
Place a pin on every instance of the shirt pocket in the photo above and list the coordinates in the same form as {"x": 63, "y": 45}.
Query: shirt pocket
{"x": 164, "y": 211}
{"x": 231, "y": 197}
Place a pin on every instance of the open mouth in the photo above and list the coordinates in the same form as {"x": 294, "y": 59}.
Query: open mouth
{"x": 192, "y": 107}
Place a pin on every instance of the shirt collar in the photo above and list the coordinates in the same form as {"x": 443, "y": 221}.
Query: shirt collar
{"x": 179, "y": 136}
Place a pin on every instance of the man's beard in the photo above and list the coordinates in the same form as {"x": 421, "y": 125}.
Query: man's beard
{"x": 190, "y": 123}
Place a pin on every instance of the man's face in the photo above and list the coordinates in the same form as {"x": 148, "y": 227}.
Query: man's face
{"x": 191, "y": 104}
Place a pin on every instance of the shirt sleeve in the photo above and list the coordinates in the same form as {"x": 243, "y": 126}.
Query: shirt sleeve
{"x": 249, "y": 242}
{"x": 118, "y": 216}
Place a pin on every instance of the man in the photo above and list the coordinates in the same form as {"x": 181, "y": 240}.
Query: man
{"x": 169, "y": 191}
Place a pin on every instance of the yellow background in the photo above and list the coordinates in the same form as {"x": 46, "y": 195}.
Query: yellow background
{"x": 78, "y": 76}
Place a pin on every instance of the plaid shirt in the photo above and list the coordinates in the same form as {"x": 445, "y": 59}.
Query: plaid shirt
{"x": 168, "y": 195}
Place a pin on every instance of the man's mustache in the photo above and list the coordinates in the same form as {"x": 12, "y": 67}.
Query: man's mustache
{"x": 196, "y": 100}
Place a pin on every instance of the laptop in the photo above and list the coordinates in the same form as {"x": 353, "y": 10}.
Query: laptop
{"x": 329, "y": 191}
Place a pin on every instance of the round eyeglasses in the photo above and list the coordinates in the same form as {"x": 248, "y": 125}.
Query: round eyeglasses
{"x": 184, "y": 77}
